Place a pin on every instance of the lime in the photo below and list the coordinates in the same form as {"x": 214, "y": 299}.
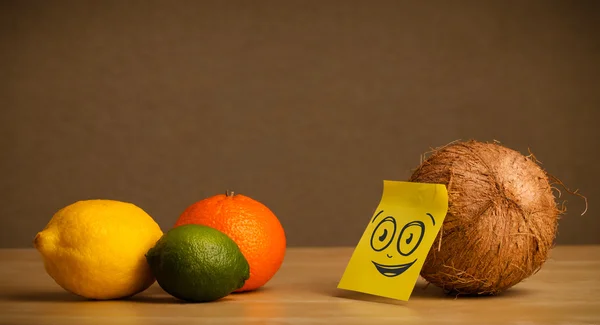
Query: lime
{"x": 198, "y": 263}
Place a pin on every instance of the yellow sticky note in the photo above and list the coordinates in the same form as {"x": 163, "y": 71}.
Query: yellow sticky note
{"x": 391, "y": 252}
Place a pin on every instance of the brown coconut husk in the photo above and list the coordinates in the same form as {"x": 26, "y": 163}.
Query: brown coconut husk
{"x": 502, "y": 217}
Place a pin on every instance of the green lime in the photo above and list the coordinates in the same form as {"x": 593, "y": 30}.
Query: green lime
{"x": 197, "y": 263}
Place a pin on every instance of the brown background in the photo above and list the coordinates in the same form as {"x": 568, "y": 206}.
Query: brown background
{"x": 304, "y": 105}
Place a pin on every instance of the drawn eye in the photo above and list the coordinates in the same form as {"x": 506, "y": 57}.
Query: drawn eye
{"x": 383, "y": 234}
{"x": 406, "y": 241}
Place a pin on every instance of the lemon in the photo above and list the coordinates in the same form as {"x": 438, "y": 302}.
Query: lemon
{"x": 96, "y": 248}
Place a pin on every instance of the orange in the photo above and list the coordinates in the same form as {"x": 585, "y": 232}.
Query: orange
{"x": 251, "y": 225}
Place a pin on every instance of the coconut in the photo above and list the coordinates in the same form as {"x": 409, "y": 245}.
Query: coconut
{"x": 501, "y": 222}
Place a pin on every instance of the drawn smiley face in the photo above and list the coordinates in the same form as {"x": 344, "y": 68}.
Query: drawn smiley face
{"x": 408, "y": 240}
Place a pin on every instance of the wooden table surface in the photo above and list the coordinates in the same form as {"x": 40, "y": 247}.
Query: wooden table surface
{"x": 566, "y": 291}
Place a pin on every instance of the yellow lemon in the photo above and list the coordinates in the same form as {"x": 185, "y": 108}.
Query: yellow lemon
{"x": 96, "y": 248}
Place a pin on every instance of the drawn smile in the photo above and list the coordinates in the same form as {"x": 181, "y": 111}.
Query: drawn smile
{"x": 392, "y": 270}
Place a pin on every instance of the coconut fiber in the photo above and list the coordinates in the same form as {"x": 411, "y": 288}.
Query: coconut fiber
{"x": 501, "y": 221}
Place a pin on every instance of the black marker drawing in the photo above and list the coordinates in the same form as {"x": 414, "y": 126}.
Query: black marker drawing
{"x": 384, "y": 234}
{"x": 392, "y": 270}
{"x": 409, "y": 240}
{"x": 432, "y": 218}
{"x": 377, "y": 215}
{"x": 413, "y": 229}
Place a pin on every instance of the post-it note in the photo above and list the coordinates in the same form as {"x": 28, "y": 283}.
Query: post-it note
{"x": 391, "y": 252}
